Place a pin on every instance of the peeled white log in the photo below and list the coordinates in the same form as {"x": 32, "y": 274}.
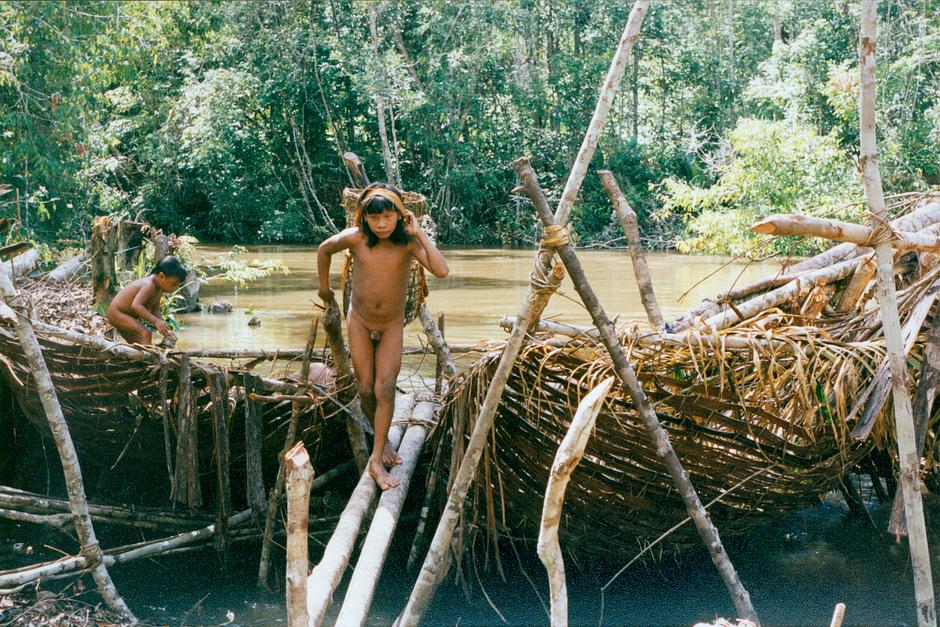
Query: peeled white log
{"x": 567, "y": 458}
{"x": 67, "y": 269}
{"x": 839, "y": 231}
{"x": 365, "y": 577}
{"x": 327, "y": 574}
{"x": 21, "y": 264}
{"x": 299, "y": 482}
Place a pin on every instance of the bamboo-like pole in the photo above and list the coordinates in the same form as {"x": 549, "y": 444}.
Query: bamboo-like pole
{"x": 69, "y": 458}
{"x": 654, "y": 430}
{"x": 836, "y": 230}
{"x": 569, "y": 454}
{"x": 437, "y": 560}
{"x": 299, "y": 482}
{"x": 375, "y": 547}
{"x": 631, "y": 229}
{"x": 326, "y": 576}
{"x": 908, "y": 456}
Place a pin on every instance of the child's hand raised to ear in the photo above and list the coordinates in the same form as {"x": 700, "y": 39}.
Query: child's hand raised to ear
{"x": 412, "y": 228}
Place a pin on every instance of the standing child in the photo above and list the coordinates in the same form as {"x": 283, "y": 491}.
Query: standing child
{"x": 139, "y": 302}
{"x": 384, "y": 241}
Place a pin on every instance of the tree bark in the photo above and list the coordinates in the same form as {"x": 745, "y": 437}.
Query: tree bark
{"x": 567, "y": 458}
{"x": 69, "y": 458}
{"x": 299, "y": 482}
{"x": 631, "y": 229}
{"x": 657, "y": 435}
{"x": 326, "y": 576}
{"x": 103, "y": 275}
{"x": 904, "y": 424}
{"x": 361, "y": 589}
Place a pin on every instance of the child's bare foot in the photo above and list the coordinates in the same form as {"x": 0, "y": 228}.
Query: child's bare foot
{"x": 382, "y": 476}
{"x": 390, "y": 456}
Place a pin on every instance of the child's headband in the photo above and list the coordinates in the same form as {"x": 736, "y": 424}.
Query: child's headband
{"x": 387, "y": 194}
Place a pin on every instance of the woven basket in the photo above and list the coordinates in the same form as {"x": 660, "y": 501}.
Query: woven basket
{"x": 417, "y": 285}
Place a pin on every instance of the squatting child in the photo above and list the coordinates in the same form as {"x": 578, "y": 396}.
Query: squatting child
{"x": 139, "y": 302}
{"x": 384, "y": 241}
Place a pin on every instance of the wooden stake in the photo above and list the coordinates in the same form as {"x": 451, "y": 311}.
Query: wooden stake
{"x": 838, "y": 615}
{"x": 254, "y": 475}
{"x": 69, "y": 458}
{"x": 654, "y": 430}
{"x": 566, "y": 460}
{"x": 274, "y": 497}
{"x": 218, "y": 393}
{"x": 326, "y": 576}
{"x": 187, "y": 487}
{"x": 904, "y": 424}
{"x": 631, "y": 229}
{"x": 361, "y": 587}
{"x": 299, "y": 482}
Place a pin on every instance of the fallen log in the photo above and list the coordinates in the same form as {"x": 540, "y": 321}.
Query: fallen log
{"x": 67, "y": 269}
{"x": 23, "y": 263}
{"x": 326, "y": 576}
{"x": 375, "y": 547}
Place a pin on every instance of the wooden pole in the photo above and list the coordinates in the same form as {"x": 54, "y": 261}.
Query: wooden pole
{"x": 654, "y": 430}
{"x": 69, "y": 458}
{"x": 299, "y": 482}
{"x": 187, "y": 488}
{"x": 274, "y": 497}
{"x": 375, "y": 547}
{"x": 436, "y": 339}
{"x": 908, "y": 456}
{"x": 345, "y": 383}
{"x": 326, "y": 576}
{"x": 254, "y": 474}
{"x": 923, "y": 408}
{"x": 631, "y": 229}
{"x": 218, "y": 393}
{"x": 437, "y": 560}
{"x": 566, "y": 460}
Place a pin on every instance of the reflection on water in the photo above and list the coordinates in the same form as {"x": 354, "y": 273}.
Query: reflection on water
{"x": 483, "y": 286}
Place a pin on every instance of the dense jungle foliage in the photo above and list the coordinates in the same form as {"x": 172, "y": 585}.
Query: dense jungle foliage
{"x": 227, "y": 120}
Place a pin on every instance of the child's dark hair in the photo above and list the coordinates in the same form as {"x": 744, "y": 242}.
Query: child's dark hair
{"x": 378, "y": 204}
{"x": 171, "y": 266}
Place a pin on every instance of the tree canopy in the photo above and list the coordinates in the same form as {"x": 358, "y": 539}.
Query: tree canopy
{"x": 227, "y": 120}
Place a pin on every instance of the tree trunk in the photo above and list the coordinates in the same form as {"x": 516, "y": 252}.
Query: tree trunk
{"x": 21, "y": 264}
{"x": 657, "y": 435}
{"x": 104, "y": 281}
{"x": 299, "y": 482}
{"x": 567, "y": 458}
{"x": 904, "y": 424}
{"x": 67, "y": 269}
{"x": 69, "y": 458}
